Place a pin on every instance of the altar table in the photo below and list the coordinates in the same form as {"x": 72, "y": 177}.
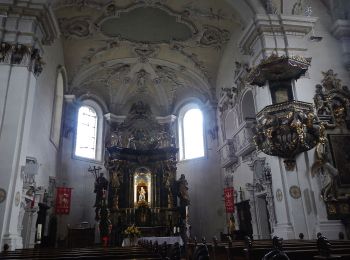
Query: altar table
{"x": 160, "y": 240}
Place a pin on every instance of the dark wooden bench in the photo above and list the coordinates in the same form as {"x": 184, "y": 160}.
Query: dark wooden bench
{"x": 83, "y": 253}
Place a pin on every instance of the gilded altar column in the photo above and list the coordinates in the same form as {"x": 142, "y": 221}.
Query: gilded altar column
{"x": 23, "y": 30}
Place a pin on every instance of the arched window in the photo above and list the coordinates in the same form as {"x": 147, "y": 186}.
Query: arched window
{"x": 57, "y": 110}
{"x": 86, "y": 139}
{"x": 191, "y": 139}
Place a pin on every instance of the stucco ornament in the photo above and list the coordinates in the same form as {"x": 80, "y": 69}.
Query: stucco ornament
{"x": 78, "y": 27}
{"x": 295, "y": 192}
{"x": 2, "y": 195}
{"x": 17, "y": 198}
{"x": 181, "y": 55}
{"x": 22, "y": 55}
{"x": 213, "y": 36}
{"x": 279, "y": 195}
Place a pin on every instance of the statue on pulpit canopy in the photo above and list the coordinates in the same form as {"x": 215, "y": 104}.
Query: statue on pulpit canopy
{"x": 101, "y": 185}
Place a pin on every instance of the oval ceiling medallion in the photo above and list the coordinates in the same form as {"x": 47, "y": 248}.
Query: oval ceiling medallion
{"x": 147, "y": 24}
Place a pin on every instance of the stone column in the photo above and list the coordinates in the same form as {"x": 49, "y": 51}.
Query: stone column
{"x": 23, "y": 30}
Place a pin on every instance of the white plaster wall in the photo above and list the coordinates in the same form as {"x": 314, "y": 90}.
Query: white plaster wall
{"x": 207, "y": 214}
{"x": 74, "y": 174}
{"x": 326, "y": 54}
{"x": 40, "y": 145}
{"x": 226, "y": 68}
{"x": 242, "y": 175}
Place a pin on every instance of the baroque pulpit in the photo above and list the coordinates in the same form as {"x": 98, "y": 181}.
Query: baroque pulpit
{"x": 141, "y": 160}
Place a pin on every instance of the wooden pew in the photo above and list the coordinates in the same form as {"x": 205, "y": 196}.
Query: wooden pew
{"x": 84, "y": 253}
{"x": 295, "y": 249}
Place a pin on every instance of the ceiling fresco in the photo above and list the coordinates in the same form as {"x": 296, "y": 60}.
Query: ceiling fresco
{"x": 155, "y": 50}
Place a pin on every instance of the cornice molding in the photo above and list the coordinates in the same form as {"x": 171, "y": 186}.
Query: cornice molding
{"x": 42, "y": 13}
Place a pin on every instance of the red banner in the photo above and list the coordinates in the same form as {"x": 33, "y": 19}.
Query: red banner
{"x": 229, "y": 200}
{"x": 63, "y": 197}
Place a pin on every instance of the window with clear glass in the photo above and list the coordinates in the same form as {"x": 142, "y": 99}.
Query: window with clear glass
{"x": 86, "y": 133}
{"x": 191, "y": 135}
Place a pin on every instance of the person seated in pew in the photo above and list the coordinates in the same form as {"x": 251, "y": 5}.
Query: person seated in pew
{"x": 6, "y": 248}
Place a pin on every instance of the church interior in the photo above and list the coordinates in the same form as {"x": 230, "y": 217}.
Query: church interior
{"x": 198, "y": 123}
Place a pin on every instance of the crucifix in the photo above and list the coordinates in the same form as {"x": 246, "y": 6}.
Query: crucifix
{"x": 95, "y": 171}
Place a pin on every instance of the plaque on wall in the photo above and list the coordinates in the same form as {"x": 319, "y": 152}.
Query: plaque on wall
{"x": 295, "y": 192}
{"x": 17, "y": 198}
{"x": 2, "y": 195}
{"x": 279, "y": 195}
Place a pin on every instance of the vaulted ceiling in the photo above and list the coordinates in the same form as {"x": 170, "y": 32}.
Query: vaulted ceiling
{"x": 159, "y": 51}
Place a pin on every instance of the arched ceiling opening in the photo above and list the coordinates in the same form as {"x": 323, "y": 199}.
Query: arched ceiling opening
{"x": 159, "y": 50}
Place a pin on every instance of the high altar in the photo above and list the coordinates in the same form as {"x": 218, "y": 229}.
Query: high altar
{"x": 141, "y": 160}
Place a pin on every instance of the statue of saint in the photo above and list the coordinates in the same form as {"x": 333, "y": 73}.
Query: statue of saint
{"x": 116, "y": 179}
{"x": 231, "y": 225}
{"x": 183, "y": 191}
{"x": 101, "y": 185}
{"x": 142, "y": 195}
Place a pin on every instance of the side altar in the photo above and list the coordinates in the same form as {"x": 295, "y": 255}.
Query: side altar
{"x": 141, "y": 162}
